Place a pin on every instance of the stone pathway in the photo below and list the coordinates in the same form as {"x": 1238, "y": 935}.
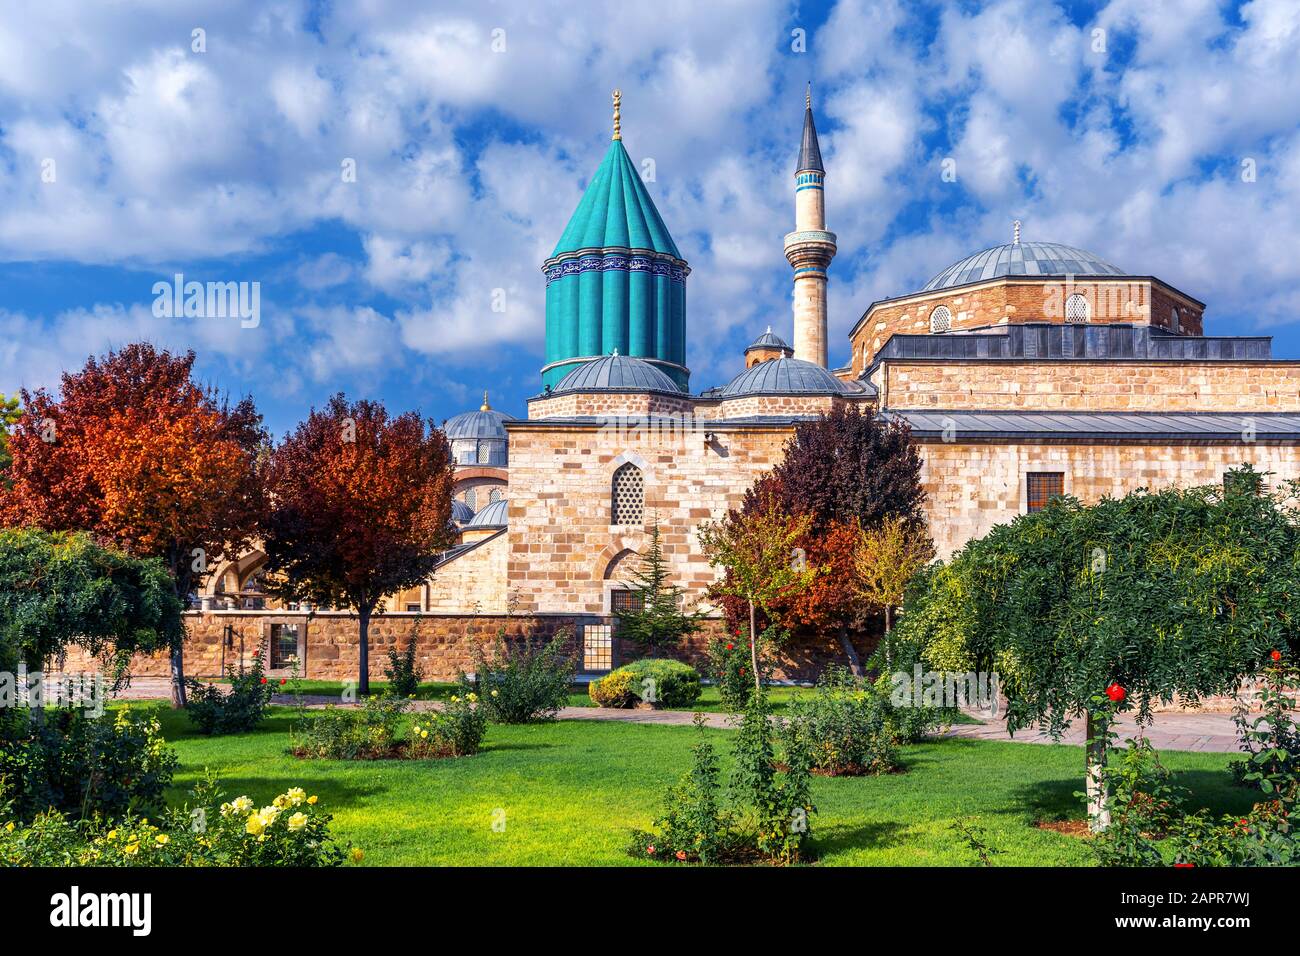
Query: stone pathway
{"x": 1198, "y": 731}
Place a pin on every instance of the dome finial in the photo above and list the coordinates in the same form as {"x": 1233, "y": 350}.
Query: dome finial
{"x": 618, "y": 126}
{"x": 807, "y": 97}
{"x": 1015, "y": 233}
{"x": 615, "y": 353}
{"x": 485, "y": 407}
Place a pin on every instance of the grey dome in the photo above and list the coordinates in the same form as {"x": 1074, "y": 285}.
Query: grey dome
{"x": 784, "y": 376}
{"x": 477, "y": 424}
{"x": 461, "y": 513}
{"x": 493, "y": 516}
{"x": 616, "y": 372}
{"x": 1022, "y": 259}
{"x": 770, "y": 340}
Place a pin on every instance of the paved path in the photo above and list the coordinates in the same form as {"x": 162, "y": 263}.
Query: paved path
{"x": 1198, "y": 731}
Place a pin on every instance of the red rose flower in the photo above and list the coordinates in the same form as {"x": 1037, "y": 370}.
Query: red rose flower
{"x": 681, "y": 854}
{"x": 650, "y": 850}
{"x": 283, "y": 681}
{"x": 731, "y": 647}
{"x": 1116, "y": 693}
{"x": 1180, "y": 866}
{"x": 1276, "y": 655}
{"x": 263, "y": 680}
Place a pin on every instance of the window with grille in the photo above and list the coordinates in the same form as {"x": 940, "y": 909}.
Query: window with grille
{"x": 628, "y": 497}
{"x": 1042, "y": 486}
{"x": 466, "y": 454}
{"x": 597, "y": 647}
{"x": 1076, "y": 308}
{"x": 284, "y": 645}
{"x": 471, "y": 498}
{"x": 494, "y": 495}
{"x": 626, "y": 600}
{"x": 941, "y": 319}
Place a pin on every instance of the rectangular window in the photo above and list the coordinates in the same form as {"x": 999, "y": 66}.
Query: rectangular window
{"x": 1042, "y": 486}
{"x": 625, "y": 600}
{"x": 284, "y": 645}
{"x": 597, "y": 647}
{"x": 413, "y": 607}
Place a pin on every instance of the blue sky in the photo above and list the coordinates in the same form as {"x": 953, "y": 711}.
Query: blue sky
{"x": 1118, "y": 127}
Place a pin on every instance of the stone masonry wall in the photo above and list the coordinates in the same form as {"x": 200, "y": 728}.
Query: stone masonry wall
{"x": 474, "y": 581}
{"x": 1124, "y": 386}
{"x": 973, "y": 486}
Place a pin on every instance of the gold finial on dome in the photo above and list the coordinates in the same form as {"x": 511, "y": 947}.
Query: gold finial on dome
{"x": 807, "y": 97}
{"x": 618, "y": 128}
{"x": 485, "y": 407}
{"x": 1015, "y": 233}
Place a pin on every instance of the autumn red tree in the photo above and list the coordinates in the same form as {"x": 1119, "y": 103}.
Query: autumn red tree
{"x": 361, "y": 506}
{"x": 134, "y": 451}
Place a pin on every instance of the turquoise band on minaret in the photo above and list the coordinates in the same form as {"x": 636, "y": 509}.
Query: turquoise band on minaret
{"x": 615, "y": 281}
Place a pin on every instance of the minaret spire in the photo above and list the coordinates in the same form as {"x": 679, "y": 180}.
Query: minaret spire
{"x": 810, "y": 247}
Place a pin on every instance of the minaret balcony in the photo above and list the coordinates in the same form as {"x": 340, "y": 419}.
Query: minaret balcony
{"x": 810, "y": 245}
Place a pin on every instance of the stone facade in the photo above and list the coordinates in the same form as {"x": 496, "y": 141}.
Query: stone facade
{"x": 1091, "y": 386}
{"x": 972, "y": 486}
{"x": 1001, "y": 301}
{"x": 476, "y": 579}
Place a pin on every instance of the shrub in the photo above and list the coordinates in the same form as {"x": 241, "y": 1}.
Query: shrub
{"x": 731, "y": 667}
{"x": 654, "y": 680}
{"x": 1270, "y": 741}
{"x": 367, "y": 733}
{"x": 455, "y": 731}
{"x": 403, "y": 673}
{"x": 613, "y": 690}
{"x": 292, "y": 831}
{"x": 84, "y": 766}
{"x": 525, "y": 681}
{"x": 214, "y": 710}
{"x": 846, "y": 727}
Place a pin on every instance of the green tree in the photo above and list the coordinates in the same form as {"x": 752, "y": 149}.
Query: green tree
{"x": 762, "y": 560}
{"x": 10, "y": 412}
{"x": 657, "y": 619}
{"x": 1148, "y": 597}
{"x": 62, "y": 588}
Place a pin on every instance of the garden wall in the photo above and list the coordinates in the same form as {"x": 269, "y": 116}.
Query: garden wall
{"x": 328, "y": 643}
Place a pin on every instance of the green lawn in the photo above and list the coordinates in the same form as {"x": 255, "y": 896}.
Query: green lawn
{"x": 571, "y": 791}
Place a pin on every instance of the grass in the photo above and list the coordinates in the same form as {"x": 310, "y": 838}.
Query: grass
{"x": 571, "y": 791}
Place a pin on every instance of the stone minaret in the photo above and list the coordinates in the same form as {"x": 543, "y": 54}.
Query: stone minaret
{"x": 810, "y": 247}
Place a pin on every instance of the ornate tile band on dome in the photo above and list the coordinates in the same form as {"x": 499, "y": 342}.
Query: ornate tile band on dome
{"x": 616, "y": 372}
{"x": 784, "y": 376}
{"x": 1022, "y": 259}
{"x": 658, "y": 265}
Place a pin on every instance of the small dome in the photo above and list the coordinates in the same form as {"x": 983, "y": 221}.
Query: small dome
{"x": 784, "y": 376}
{"x": 770, "y": 340}
{"x": 618, "y": 373}
{"x": 461, "y": 513}
{"x": 483, "y": 423}
{"x": 493, "y": 516}
{"x": 1022, "y": 259}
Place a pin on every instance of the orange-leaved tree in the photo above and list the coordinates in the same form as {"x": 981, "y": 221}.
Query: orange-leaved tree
{"x": 361, "y": 507}
{"x": 134, "y": 451}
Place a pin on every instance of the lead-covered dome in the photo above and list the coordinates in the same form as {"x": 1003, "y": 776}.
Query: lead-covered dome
{"x": 493, "y": 516}
{"x": 616, "y": 373}
{"x": 478, "y": 437}
{"x": 1023, "y": 259}
{"x": 784, "y": 376}
{"x": 461, "y": 513}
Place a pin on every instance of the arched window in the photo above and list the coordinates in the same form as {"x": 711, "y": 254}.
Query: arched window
{"x": 494, "y": 495}
{"x": 627, "y": 504}
{"x": 471, "y": 498}
{"x": 941, "y": 319}
{"x": 1174, "y": 325}
{"x": 1077, "y": 308}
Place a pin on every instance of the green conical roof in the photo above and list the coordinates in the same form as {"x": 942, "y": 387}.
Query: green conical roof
{"x": 616, "y": 210}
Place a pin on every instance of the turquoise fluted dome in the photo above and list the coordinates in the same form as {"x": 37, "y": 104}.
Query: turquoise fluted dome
{"x": 616, "y": 281}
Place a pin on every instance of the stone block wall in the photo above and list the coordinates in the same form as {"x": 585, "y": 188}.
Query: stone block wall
{"x": 473, "y": 582}
{"x": 970, "y": 487}
{"x": 1091, "y": 386}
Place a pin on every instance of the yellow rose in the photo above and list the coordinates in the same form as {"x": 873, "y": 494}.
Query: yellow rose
{"x": 242, "y": 804}
{"x": 455, "y": 699}
{"x": 131, "y": 849}
{"x": 296, "y": 795}
{"x": 162, "y": 839}
{"x": 297, "y": 821}
{"x": 280, "y": 802}
{"x": 473, "y": 698}
{"x": 424, "y": 734}
{"x": 494, "y": 693}
{"x": 312, "y": 799}
{"x": 356, "y": 855}
{"x": 9, "y": 827}
{"x": 255, "y": 824}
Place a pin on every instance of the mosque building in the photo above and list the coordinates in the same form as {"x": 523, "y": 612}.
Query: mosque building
{"x": 1026, "y": 370}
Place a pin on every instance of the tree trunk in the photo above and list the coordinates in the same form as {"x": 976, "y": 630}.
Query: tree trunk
{"x": 363, "y": 652}
{"x": 178, "y": 677}
{"x": 753, "y": 648}
{"x": 889, "y": 618}
{"x": 855, "y": 665}
{"x": 1094, "y": 765}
